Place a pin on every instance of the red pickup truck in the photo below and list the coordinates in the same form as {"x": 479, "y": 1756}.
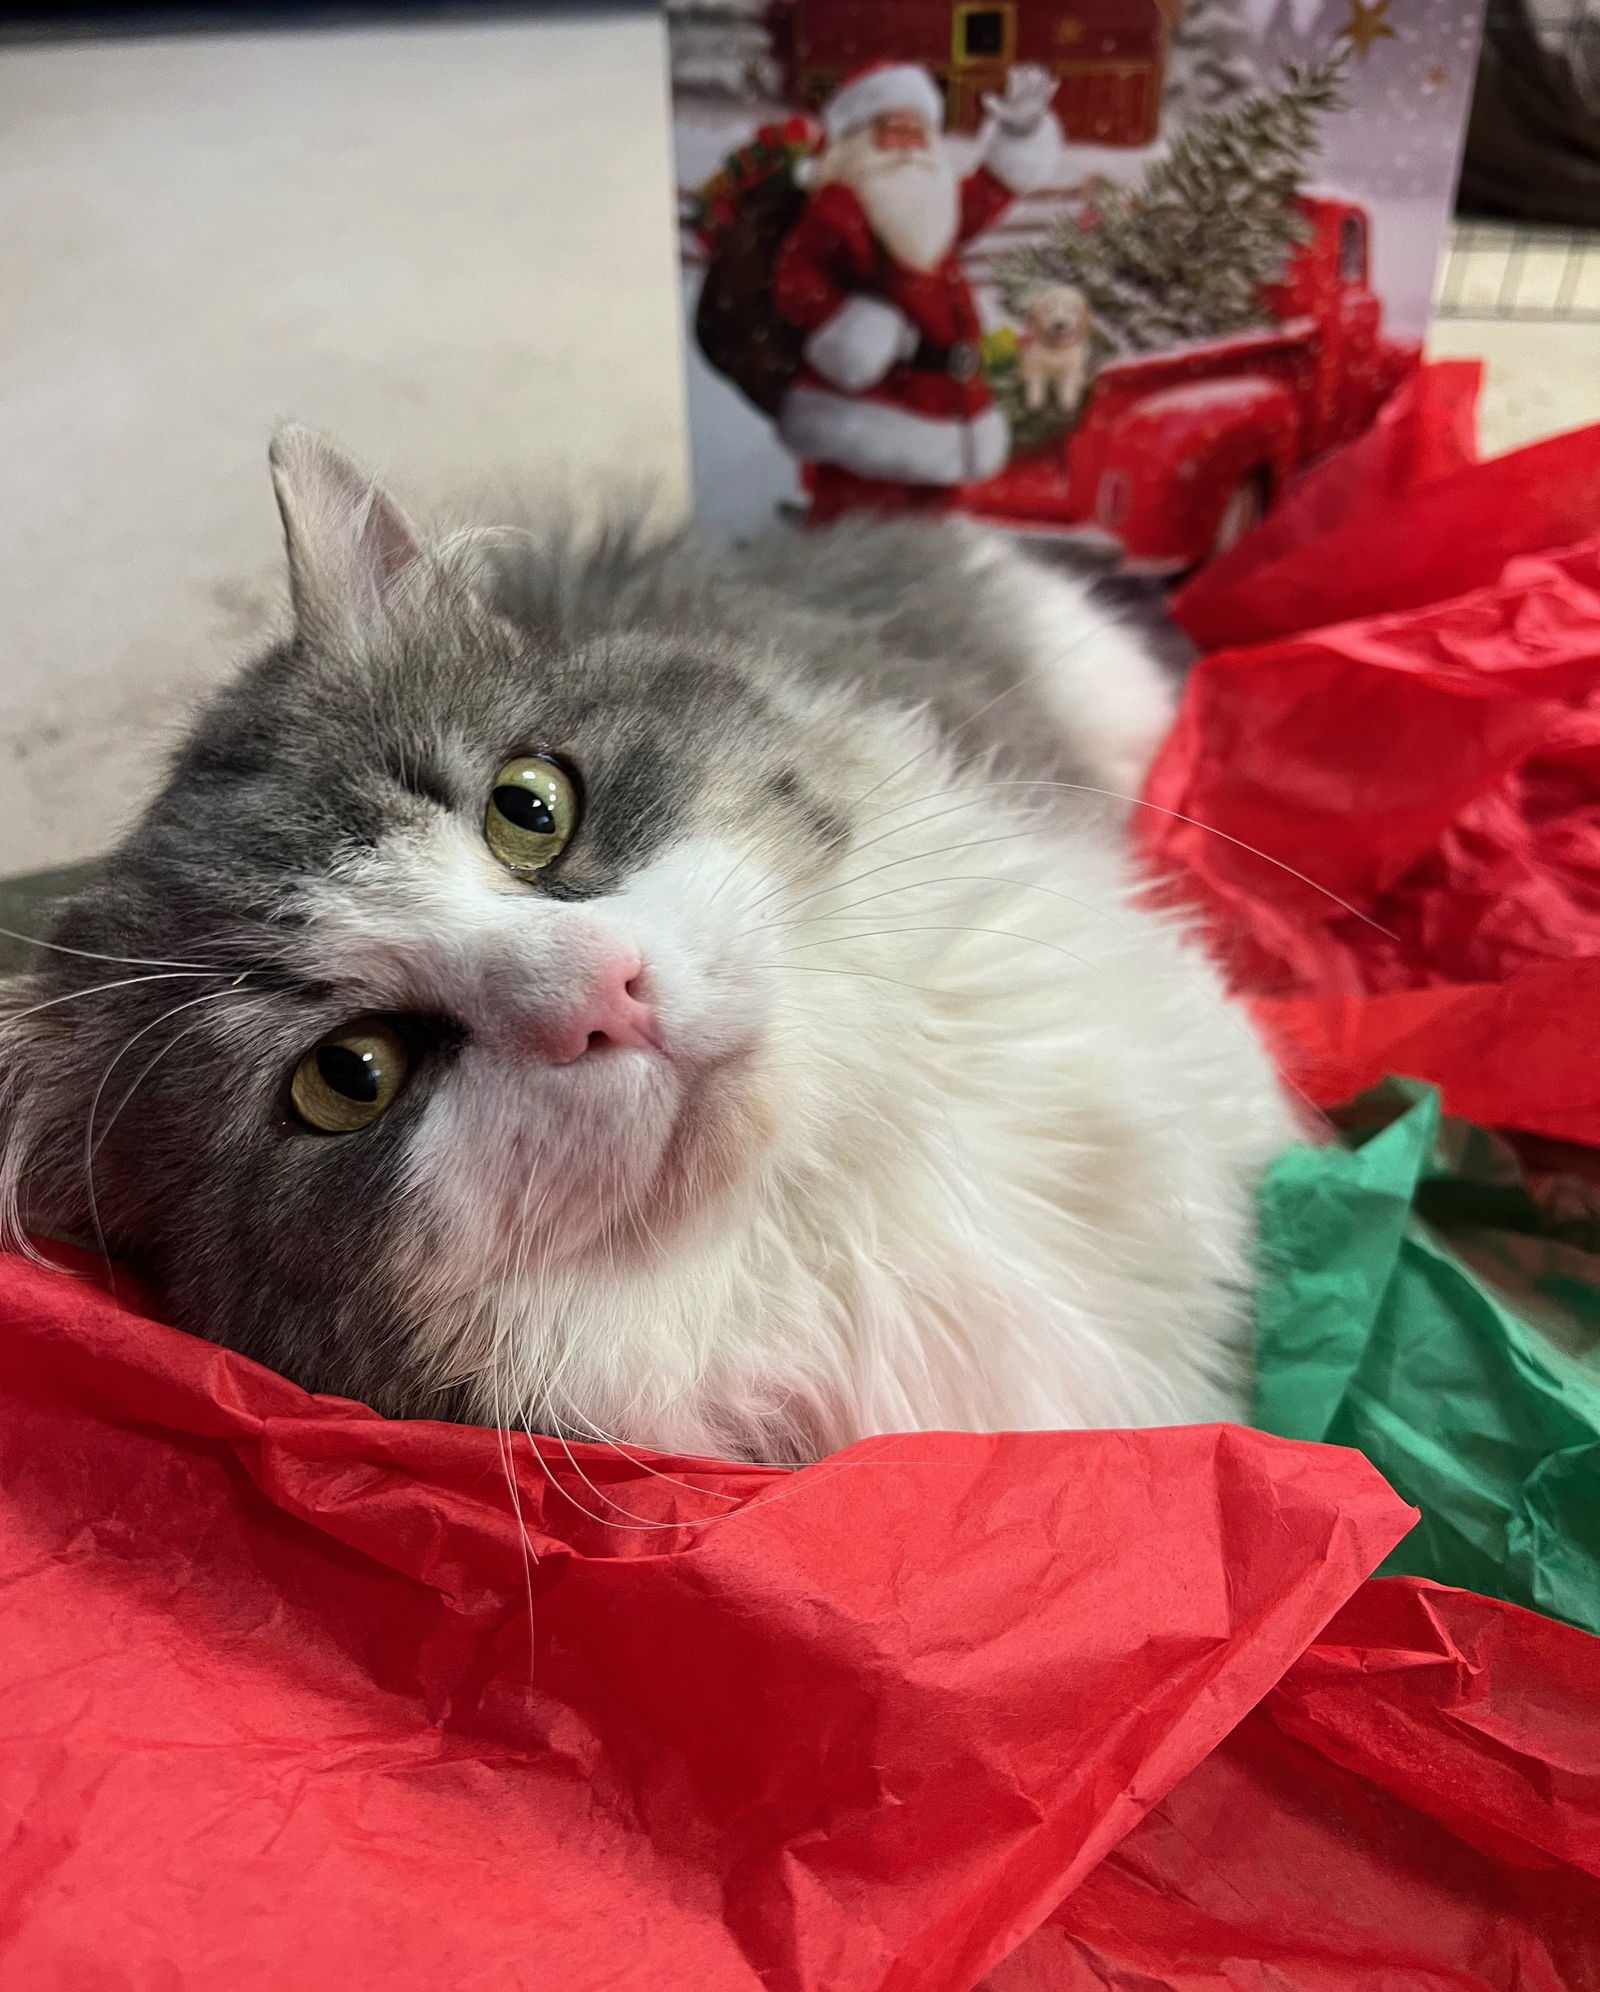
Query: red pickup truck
{"x": 1177, "y": 454}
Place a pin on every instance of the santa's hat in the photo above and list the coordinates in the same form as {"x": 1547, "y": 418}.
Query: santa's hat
{"x": 878, "y": 89}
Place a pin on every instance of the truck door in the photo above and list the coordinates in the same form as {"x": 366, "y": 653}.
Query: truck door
{"x": 1358, "y": 319}
{"x": 983, "y": 45}
{"x": 1353, "y": 249}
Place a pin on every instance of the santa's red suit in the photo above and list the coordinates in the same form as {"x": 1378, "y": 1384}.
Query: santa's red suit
{"x": 890, "y": 409}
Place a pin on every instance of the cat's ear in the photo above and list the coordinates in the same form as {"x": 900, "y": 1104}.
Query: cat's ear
{"x": 349, "y": 544}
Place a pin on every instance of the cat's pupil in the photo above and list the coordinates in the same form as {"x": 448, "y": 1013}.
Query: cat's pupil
{"x": 525, "y": 809}
{"x": 353, "y": 1075}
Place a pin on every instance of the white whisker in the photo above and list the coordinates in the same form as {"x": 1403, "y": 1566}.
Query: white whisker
{"x": 1194, "y": 822}
{"x": 997, "y": 933}
{"x": 935, "y": 884}
{"x": 638, "y": 1526}
{"x": 1134, "y": 802}
{"x": 92, "y": 954}
{"x": 102, "y": 989}
{"x": 864, "y": 974}
{"x": 210, "y": 996}
{"x": 637, "y": 1459}
{"x": 530, "y": 1556}
{"x": 909, "y": 858}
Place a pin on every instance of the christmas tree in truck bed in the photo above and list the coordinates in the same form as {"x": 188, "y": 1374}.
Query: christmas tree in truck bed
{"x": 1244, "y": 335}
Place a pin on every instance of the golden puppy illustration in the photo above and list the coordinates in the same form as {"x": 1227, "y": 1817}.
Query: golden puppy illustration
{"x": 1056, "y": 343}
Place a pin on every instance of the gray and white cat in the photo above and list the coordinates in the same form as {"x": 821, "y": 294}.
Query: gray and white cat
{"x": 659, "y": 996}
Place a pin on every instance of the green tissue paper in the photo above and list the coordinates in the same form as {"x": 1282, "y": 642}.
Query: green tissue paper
{"x": 1431, "y": 1302}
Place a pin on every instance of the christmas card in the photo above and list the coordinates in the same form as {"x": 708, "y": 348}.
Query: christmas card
{"x": 1110, "y": 271}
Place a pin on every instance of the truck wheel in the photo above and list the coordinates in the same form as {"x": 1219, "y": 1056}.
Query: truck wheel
{"x": 1244, "y": 510}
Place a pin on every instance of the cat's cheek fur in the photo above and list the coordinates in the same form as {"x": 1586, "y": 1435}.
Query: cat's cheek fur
{"x": 993, "y": 1186}
{"x": 518, "y": 1172}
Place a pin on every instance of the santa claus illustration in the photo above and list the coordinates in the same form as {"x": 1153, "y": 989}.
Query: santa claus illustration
{"x": 890, "y": 410}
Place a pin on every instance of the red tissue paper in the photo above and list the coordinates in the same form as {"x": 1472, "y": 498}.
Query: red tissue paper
{"x": 1389, "y": 812}
{"x": 1412, "y": 1809}
{"x": 290, "y": 1700}
{"x": 1402, "y": 517}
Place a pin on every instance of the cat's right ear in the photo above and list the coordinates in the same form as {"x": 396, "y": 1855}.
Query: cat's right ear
{"x": 349, "y": 544}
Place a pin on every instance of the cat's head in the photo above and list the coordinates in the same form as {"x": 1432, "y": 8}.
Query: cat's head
{"x": 437, "y": 995}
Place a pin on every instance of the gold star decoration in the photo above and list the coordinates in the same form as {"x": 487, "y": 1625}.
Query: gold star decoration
{"x": 1368, "y": 24}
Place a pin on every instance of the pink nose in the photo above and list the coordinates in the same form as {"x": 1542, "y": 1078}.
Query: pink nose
{"x": 612, "y": 1015}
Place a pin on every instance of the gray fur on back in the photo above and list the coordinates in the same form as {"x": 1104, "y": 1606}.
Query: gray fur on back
{"x": 885, "y": 609}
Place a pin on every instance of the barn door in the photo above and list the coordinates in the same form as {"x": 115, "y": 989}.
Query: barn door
{"x": 983, "y": 45}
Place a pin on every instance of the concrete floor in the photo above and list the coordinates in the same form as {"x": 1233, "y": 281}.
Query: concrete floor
{"x": 451, "y": 247}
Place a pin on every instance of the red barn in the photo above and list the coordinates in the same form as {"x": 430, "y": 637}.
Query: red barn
{"x": 1110, "y": 55}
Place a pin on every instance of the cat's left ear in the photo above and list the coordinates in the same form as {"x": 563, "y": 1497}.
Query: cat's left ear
{"x": 349, "y": 544}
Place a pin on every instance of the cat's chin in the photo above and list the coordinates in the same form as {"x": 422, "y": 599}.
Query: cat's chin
{"x": 650, "y": 1174}
{"x": 601, "y": 1164}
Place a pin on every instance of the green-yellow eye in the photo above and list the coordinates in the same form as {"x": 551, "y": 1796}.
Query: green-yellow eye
{"x": 352, "y": 1077}
{"x": 533, "y": 811}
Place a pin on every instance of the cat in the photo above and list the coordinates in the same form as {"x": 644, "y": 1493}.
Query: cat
{"x": 660, "y": 995}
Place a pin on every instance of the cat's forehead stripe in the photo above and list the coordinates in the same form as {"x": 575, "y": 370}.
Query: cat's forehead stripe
{"x": 634, "y": 803}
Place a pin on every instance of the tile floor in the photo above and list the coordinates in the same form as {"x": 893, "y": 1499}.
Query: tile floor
{"x": 1527, "y": 302}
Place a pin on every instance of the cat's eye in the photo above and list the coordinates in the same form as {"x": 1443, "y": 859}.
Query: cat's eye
{"x": 352, "y": 1077}
{"x": 533, "y": 811}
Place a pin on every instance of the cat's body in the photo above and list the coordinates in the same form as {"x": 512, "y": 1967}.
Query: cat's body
{"x": 824, "y": 1081}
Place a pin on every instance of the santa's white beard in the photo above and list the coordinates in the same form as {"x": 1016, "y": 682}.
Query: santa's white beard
{"x": 912, "y": 199}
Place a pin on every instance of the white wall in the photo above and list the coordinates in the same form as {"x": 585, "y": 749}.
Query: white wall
{"x": 451, "y": 248}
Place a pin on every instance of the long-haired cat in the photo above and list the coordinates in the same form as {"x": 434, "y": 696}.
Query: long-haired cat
{"x": 642, "y": 993}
